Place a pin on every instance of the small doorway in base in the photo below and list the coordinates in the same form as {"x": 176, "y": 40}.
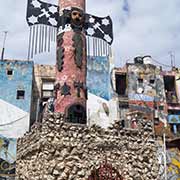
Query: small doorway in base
{"x": 105, "y": 172}
{"x": 76, "y": 113}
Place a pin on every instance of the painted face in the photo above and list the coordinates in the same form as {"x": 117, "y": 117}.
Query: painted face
{"x": 77, "y": 17}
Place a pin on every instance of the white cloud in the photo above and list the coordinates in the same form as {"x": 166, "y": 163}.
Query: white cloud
{"x": 149, "y": 27}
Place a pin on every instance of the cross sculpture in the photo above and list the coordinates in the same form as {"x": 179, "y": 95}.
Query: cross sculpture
{"x": 69, "y": 25}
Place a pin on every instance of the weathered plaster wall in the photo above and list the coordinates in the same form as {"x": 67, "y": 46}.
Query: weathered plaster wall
{"x": 41, "y": 72}
{"x": 15, "y": 112}
{"x": 21, "y": 79}
{"x": 56, "y": 150}
{"x": 14, "y": 121}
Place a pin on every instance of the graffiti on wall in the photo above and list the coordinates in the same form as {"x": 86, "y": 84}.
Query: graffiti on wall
{"x": 146, "y": 89}
{"x": 98, "y": 76}
{"x": 172, "y": 163}
{"x": 7, "y": 156}
{"x": 160, "y": 156}
{"x": 147, "y": 81}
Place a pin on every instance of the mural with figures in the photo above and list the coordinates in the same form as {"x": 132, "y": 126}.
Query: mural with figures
{"x": 98, "y": 76}
{"x": 172, "y": 163}
{"x": 7, "y": 157}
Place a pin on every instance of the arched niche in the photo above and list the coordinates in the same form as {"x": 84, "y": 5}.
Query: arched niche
{"x": 76, "y": 113}
{"x": 105, "y": 171}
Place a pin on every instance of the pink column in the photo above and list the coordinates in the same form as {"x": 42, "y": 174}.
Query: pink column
{"x": 72, "y": 3}
{"x": 71, "y": 72}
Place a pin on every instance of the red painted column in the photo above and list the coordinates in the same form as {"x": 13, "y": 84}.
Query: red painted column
{"x": 70, "y": 72}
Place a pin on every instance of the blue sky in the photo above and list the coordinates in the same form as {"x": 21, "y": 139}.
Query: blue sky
{"x": 141, "y": 27}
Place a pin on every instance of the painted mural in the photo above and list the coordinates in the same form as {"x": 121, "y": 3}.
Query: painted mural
{"x": 174, "y": 119}
{"x": 173, "y": 164}
{"x": 16, "y": 76}
{"x": 146, "y": 89}
{"x": 15, "y": 97}
{"x": 100, "y": 91}
{"x": 98, "y": 76}
{"x": 7, "y": 157}
{"x": 160, "y": 156}
{"x": 145, "y": 83}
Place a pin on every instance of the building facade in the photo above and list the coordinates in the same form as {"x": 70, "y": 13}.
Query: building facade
{"x": 144, "y": 88}
{"x": 16, "y": 79}
{"x": 43, "y": 87}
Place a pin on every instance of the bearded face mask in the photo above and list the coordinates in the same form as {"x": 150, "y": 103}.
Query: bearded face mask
{"x": 77, "y": 19}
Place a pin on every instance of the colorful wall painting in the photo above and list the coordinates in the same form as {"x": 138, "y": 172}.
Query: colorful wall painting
{"x": 7, "y": 157}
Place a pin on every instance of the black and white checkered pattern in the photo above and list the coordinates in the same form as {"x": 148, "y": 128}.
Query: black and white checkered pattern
{"x": 99, "y": 28}
{"x": 39, "y": 12}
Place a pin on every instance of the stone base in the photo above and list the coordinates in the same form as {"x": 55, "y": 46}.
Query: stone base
{"x": 56, "y": 150}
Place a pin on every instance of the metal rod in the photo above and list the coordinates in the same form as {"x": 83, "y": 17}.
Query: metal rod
{"x": 37, "y": 110}
{"x": 33, "y": 38}
{"x": 49, "y": 39}
{"x": 29, "y": 48}
{"x": 40, "y": 34}
{"x": 36, "y": 40}
{"x": 165, "y": 170}
{"x": 3, "y": 49}
{"x": 45, "y": 41}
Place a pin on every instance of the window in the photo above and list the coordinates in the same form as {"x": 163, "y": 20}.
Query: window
{"x": 9, "y": 72}
{"x": 175, "y": 129}
{"x": 169, "y": 82}
{"x": 152, "y": 81}
{"x": 140, "y": 80}
{"x": 175, "y": 112}
{"x": 123, "y": 105}
{"x": 20, "y": 94}
{"x": 170, "y": 89}
{"x": 47, "y": 89}
{"x": 121, "y": 84}
{"x": 161, "y": 107}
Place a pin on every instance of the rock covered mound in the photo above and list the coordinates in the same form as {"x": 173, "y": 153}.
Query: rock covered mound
{"x": 56, "y": 150}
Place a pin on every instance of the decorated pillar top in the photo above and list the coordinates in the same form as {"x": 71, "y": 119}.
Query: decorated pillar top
{"x": 63, "y": 4}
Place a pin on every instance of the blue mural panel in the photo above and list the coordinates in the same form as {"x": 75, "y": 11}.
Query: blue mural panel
{"x": 141, "y": 97}
{"x": 7, "y": 156}
{"x": 16, "y": 75}
{"x": 174, "y": 119}
{"x": 98, "y": 76}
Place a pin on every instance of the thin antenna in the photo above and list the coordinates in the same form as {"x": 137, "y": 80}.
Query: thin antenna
{"x": 3, "y": 49}
{"x": 172, "y": 56}
{"x": 174, "y": 60}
